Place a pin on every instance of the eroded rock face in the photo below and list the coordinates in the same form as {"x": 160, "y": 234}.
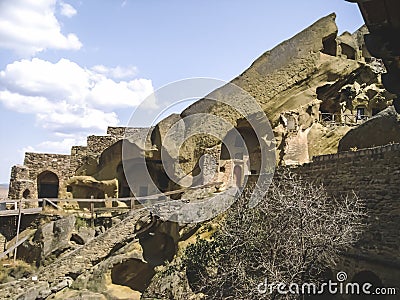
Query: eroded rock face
{"x": 173, "y": 285}
{"x": 128, "y": 271}
{"x": 160, "y": 244}
{"x": 49, "y": 241}
{"x": 77, "y": 295}
{"x": 380, "y": 130}
{"x": 296, "y": 83}
{"x": 86, "y": 187}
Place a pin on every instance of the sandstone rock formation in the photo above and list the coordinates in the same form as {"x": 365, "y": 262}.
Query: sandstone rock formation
{"x": 48, "y": 242}
{"x": 382, "y": 129}
{"x": 305, "y": 86}
{"x": 117, "y": 264}
{"x": 313, "y": 88}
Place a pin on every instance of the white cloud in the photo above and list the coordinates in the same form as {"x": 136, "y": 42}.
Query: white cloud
{"x": 117, "y": 73}
{"x": 59, "y": 116}
{"x": 67, "y": 10}
{"x": 30, "y": 26}
{"x": 108, "y": 93}
{"x": 62, "y": 146}
{"x": 65, "y": 97}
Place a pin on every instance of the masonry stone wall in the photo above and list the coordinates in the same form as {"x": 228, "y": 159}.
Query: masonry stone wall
{"x": 24, "y": 177}
{"x": 19, "y": 182}
{"x": 374, "y": 175}
{"x": 118, "y": 132}
{"x": 97, "y": 144}
{"x": 59, "y": 164}
{"x": 78, "y": 157}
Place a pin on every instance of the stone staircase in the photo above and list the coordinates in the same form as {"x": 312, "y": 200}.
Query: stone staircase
{"x": 88, "y": 255}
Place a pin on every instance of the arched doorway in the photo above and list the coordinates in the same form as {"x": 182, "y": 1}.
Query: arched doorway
{"x": 123, "y": 187}
{"x": 237, "y": 175}
{"x": 371, "y": 278}
{"x": 47, "y": 185}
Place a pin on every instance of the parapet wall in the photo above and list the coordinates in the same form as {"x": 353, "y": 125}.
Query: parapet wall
{"x": 374, "y": 175}
{"x": 118, "y": 132}
{"x": 39, "y": 162}
{"x": 97, "y": 144}
{"x": 78, "y": 157}
{"x": 375, "y": 151}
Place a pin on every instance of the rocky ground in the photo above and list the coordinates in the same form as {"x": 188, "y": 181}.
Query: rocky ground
{"x": 70, "y": 260}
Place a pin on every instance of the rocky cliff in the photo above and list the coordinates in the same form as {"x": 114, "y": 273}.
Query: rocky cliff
{"x": 311, "y": 87}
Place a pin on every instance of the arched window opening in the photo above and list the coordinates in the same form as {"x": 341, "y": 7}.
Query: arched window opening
{"x": 26, "y": 194}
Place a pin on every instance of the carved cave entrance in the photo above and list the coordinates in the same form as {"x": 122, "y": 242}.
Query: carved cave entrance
{"x": 47, "y": 185}
{"x": 371, "y": 278}
{"x": 124, "y": 190}
{"x": 243, "y": 165}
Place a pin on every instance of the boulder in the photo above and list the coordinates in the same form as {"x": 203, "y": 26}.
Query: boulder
{"x": 382, "y": 129}
{"x": 49, "y": 241}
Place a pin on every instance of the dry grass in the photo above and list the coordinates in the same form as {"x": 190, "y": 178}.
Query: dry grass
{"x": 10, "y": 270}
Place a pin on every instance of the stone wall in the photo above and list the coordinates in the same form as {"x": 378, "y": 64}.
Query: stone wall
{"x": 19, "y": 182}
{"x": 118, "y": 132}
{"x": 97, "y": 144}
{"x": 37, "y": 163}
{"x": 78, "y": 157}
{"x": 24, "y": 178}
{"x": 373, "y": 174}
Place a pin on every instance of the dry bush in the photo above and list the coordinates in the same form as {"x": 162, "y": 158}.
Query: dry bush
{"x": 294, "y": 234}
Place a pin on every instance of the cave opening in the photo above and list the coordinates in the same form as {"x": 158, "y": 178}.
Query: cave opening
{"x": 330, "y": 45}
{"x": 371, "y": 278}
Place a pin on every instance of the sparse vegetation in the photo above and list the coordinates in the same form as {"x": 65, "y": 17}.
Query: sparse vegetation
{"x": 292, "y": 236}
{"x": 10, "y": 271}
{"x": 80, "y": 222}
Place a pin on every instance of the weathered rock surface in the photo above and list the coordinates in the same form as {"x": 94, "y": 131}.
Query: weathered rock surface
{"x": 83, "y": 236}
{"x": 77, "y": 295}
{"x": 49, "y": 241}
{"x": 85, "y": 187}
{"x": 170, "y": 285}
{"x": 131, "y": 268}
{"x": 117, "y": 264}
{"x": 380, "y": 130}
{"x": 312, "y": 73}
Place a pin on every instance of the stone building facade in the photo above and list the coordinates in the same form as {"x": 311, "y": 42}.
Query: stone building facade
{"x": 45, "y": 175}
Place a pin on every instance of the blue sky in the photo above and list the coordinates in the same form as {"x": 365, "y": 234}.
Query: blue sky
{"x": 70, "y": 68}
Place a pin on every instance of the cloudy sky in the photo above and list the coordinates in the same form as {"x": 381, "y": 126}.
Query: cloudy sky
{"x": 71, "y": 68}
